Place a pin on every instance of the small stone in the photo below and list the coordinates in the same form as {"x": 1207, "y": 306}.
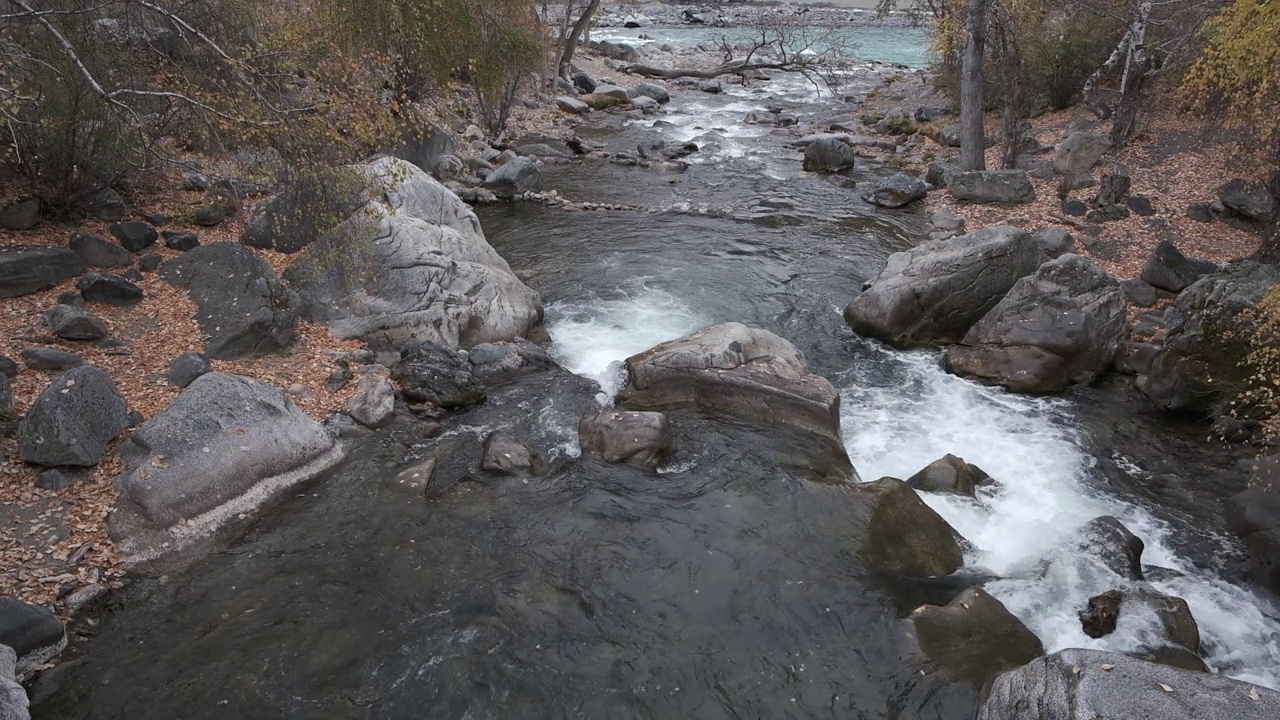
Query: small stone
{"x": 1107, "y": 213}
{"x": 52, "y": 479}
{"x": 74, "y": 299}
{"x": 180, "y": 241}
{"x": 21, "y": 215}
{"x": 72, "y": 323}
{"x": 1139, "y": 292}
{"x": 338, "y": 379}
{"x": 1075, "y": 208}
{"x": 1200, "y": 212}
{"x": 135, "y": 418}
{"x": 43, "y": 358}
{"x": 109, "y": 289}
{"x": 97, "y": 251}
{"x": 8, "y": 367}
{"x": 948, "y": 222}
{"x": 135, "y": 236}
{"x": 1055, "y": 241}
{"x": 296, "y": 389}
{"x": 1141, "y": 205}
{"x": 210, "y": 215}
{"x": 187, "y": 367}
{"x": 149, "y": 263}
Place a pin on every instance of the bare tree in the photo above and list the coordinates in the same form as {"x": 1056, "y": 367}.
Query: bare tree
{"x": 973, "y": 140}
{"x": 569, "y": 40}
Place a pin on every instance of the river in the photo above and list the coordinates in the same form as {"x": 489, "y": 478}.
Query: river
{"x": 722, "y": 587}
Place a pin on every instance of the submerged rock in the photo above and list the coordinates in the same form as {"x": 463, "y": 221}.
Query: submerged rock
{"x": 904, "y": 536}
{"x": 974, "y": 637}
{"x": 1060, "y": 326}
{"x": 829, "y": 155}
{"x": 1090, "y": 684}
{"x": 642, "y": 439}
{"x": 936, "y": 291}
{"x": 204, "y": 468}
{"x": 746, "y": 372}
{"x": 433, "y": 373}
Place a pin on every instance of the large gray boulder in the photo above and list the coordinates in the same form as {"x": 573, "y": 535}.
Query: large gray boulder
{"x": 1250, "y": 199}
{"x": 1080, "y": 152}
{"x": 208, "y": 464}
{"x": 516, "y": 176}
{"x": 13, "y": 697}
{"x": 992, "y": 186}
{"x": 73, "y": 419}
{"x": 829, "y": 155}
{"x": 1062, "y": 325}
{"x": 412, "y": 265}
{"x": 936, "y": 291}
{"x": 974, "y": 637}
{"x": 637, "y": 438}
{"x": 28, "y": 270}
{"x": 904, "y": 536}
{"x": 1091, "y": 685}
{"x": 746, "y": 372}
{"x": 243, "y": 307}
{"x": 1198, "y": 364}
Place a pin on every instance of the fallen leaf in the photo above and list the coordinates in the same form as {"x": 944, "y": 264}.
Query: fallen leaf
{"x": 1253, "y": 694}
{"x": 1107, "y": 666}
{"x": 1165, "y": 688}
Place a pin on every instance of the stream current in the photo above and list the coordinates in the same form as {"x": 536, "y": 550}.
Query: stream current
{"x": 723, "y": 587}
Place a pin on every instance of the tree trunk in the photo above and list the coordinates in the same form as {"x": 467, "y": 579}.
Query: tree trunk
{"x": 575, "y": 35}
{"x": 1269, "y": 250}
{"x": 1137, "y": 69}
{"x": 973, "y": 142}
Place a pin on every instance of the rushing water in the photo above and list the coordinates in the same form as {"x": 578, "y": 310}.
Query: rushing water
{"x": 725, "y": 586}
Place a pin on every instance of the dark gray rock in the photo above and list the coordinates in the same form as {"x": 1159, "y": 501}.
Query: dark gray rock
{"x": 940, "y": 173}
{"x": 1055, "y": 241}
{"x": 21, "y": 215}
{"x": 1113, "y": 190}
{"x": 1139, "y": 292}
{"x": 1168, "y": 269}
{"x": 950, "y": 474}
{"x": 28, "y": 270}
{"x": 572, "y": 105}
{"x": 1107, "y": 540}
{"x": 106, "y": 204}
{"x": 135, "y": 236}
{"x": 180, "y": 241}
{"x": 1140, "y": 205}
{"x": 828, "y": 155}
{"x": 904, "y": 536}
{"x": 53, "y": 479}
{"x": 748, "y": 373}
{"x": 505, "y": 455}
{"x": 974, "y": 637}
{"x": 504, "y": 360}
{"x": 132, "y": 275}
{"x": 520, "y": 175}
{"x": 6, "y": 393}
{"x": 1075, "y": 208}
{"x": 33, "y": 632}
{"x": 413, "y": 481}
{"x": 432, "y": 373}
{"x": 150, "y": 262}
{"x": 109, "y": 289}
{"x": 187, "y": 367}
{"x": 97, "y": 251}
{"x": 948, "y": 135}
{"x": 583, "y": 82}
{"x": 947, "y": 222}
{"x": 992, "y": 186}
{"x": 243, "y": 307}
{"x": 1246, "y": 198}
{"x": 374, "y": 404}
{"x": 642, "y": 439}
{"x": 74, "y": 299}
{"x": 930, "y": 114}
{"x": 1080, "y": 152}
{"x": 1200, "y": 212}
{"x": 936, "y": 291}
{"x": 1091, "y": 684}
{"x": 338, "y": 378}
{"x": 8, "y": 367}
{"x": 1060, "y": 326}
{"x": 72, "y": 421}
{"x": 896, "y": 191}
{"x": 43, "y": 358}
{"x": 449, "y": 167}
{"x": 72, "y": 323}
{"x": 650, "y": 90}
{"x": 543, "y": 150}
{"x": 424, "y": 145}
{"x": 207, "y": 465}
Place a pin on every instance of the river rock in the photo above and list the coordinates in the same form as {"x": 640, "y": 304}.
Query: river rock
{"x": 429, "y": 372}
{"x": 1055, "y": 241}
{"x": 34, "y": 633}
{"x": 745, "y": 372}
{"x": 936, "y": 291}
{"x": 646, "y": 104}
{"x": 449, "y": 167}
{"x": 97, "y": 251}
{"x": 992, "y": 186}
{"x": 519, "y": 175}
{"x": 135, "y": 236}
{"x": 1107, "y": 540}
{"x": 828, "y": 154}
{"x": 940, "y": 173}
{"x": 242, "y": 306}
{"x": 1179, "y": 642}
{"x": 650, "y": 90}
{"x": 642, "y": 439}
{"x": 187, "y": 367}
{"x": 1091, "y": 684}
{"x": 600, "y": 102}
{"x": 13, "y": 697}
{"x": 306, "y": 210}
{"x": 44, "y": 358}
{"x": 412, "y": 265}
{"x": 505, "y": 455}
{"x": 208, "y": 464}
{"x": 1250, "y": 199}
{"x": 950, "y": 474}
{"x": 583, "y": 82}
{"x": 904, "y": 536}
{"x": 1080, "y": 152}
{"x": 897, "y": 191}
{"x": 1192, "y": 370}
{"x": 180, "y": 241}
{"x": 572, "y": 105}
{"x": 974, "y": 637}
{"x": 1168, "y": 269}
{"x": 28, "y": 270}
{"x": 72, "y": 421}
{"x": 72, "y": 323}
{"x": 504, "y": 360}
{"x": 414, "y": 480}
{"x": 1061, "y": 326}
{"x": 374, "y": 403}
{"x": 109, "y": 289}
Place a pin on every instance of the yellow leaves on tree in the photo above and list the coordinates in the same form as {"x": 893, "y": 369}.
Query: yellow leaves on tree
{"x": 1238, "y": 73}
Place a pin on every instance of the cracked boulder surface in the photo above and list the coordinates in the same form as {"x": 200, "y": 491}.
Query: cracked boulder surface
{"x": 242, "y": 306}
{"x": 933, "y": 293}
{"x": 412, "y": 265}
{"x": 1060, "y": 326}
{"x": 746, "y": 373}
